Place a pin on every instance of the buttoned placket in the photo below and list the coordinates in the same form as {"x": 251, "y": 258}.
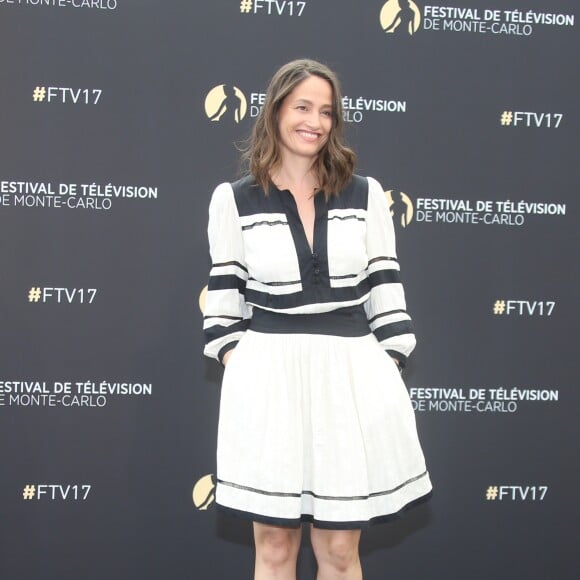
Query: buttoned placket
{"x": 302, "y": 247}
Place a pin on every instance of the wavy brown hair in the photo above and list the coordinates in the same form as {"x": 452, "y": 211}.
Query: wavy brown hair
{"x": 335, "y": 163}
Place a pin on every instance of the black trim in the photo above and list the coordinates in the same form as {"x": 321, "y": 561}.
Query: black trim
{"x": 347, "y": 217}
{"x": 383, "y": 258}
{"x": 323, "y": 524}
{"x": 226, "y": 317}
{"x": 226, "y": 282}
{"x": 264, "y": 223}
{"x": 344, "y": 276}
{"x": 250, "y": 198}
{"x": 225, "y": 349}
{"x": 219, "y": 330}
{"x": 313, "y": 263}
{"x": 350, "y": 321}
{"x": 251, "y": 201}
{"x": 399, "y": 356}
{"x": 393, "y": 329}
{"x": 399, "y": 311}
{"x": 384, "y": 277}
{"x": 281, "y": 522}
{"x": 324, "y": 497}
{"x": 258, "y": 491}
{"x": 230, "y": 263}
{"x": 309, "y": 295}
{"x": 289, "y": 283}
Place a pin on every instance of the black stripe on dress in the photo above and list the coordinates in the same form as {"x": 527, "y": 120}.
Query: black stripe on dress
{"x": 226, "y": 282}
{"x": 393, "y": 329}
{"x": 384, "y": 277}
{"x": 218, "y": 331}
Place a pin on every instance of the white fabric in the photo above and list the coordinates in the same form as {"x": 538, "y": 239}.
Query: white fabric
{"x": 325, "y": 415}
{"x": 357, "y": 248}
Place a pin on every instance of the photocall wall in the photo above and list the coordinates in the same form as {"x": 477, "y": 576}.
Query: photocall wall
{"x": 119, "y": 117}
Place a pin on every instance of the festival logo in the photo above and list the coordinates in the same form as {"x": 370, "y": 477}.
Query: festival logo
{"x": 203, "y": 492}
{"x": 89, "y": 196}
{"x": 403, "y": 18}
{"x": 226, "y": 102}
{"x": 401, "y": 207}
{"x": 447, "y": 210}
{"x": 400, "y": 17}
{"x": 68, "y": 394}
{"x": 470, "y": 399}
{"x": 202, "y": 297}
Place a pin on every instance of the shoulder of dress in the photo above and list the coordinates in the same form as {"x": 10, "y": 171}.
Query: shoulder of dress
{"x": 250, "y": 197}
{"x": 359, "y": 180}
{"x": 373, "y": 183}
{"x": 233, "y": 194}
{"x": 222, "y": 192}
{"x": 376, "y": 193}
{"x": 245, "y": 184}
{"x": 246, "y": 190}
{"x": 354, "y": 195}
{"x": 378, "y": 198}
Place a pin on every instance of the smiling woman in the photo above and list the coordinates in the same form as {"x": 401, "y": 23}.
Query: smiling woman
{"x": 334, "y": 165}
{"x": 305, "y": 119}
{"x": 306, "y": 311}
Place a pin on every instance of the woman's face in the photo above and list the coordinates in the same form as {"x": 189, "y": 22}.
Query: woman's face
{"x": 305, "y": 119}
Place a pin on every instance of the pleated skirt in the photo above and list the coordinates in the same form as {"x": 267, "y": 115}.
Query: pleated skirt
{"x": 317, "y": 428}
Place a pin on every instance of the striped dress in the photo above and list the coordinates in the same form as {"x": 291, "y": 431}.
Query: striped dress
{"x": 315, "y": 421}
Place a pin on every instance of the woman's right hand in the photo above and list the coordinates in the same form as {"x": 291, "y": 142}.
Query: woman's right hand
{"x": 226, "y": 357}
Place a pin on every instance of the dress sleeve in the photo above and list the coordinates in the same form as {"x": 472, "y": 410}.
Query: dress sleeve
{"x": 226, "y": 314}
{"x": 386, "y": 307}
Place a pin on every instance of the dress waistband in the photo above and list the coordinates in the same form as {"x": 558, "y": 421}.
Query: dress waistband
{"x": 349, "y": 321}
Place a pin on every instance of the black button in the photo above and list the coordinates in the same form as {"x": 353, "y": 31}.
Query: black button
{"x": 314, "y": 255}
{"x": 317, "y": 271}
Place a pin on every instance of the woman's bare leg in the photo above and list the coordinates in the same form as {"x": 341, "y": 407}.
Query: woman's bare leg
{"x": 336, "y": 553}
{"x": 276, "y": 552}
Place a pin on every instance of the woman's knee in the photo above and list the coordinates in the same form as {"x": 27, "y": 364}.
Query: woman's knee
{"x": 338, "y": 549}
{"x": 276, "y": 546}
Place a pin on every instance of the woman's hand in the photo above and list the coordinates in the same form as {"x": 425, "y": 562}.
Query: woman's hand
{"x": 399, "y": 367}
{"x": 226, "y": 357}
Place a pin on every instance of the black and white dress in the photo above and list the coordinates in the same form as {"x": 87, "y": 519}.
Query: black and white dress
{"x": 315, "y": 421}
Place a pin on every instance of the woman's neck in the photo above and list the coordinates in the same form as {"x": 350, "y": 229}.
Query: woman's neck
{"x": 297, "y": 177}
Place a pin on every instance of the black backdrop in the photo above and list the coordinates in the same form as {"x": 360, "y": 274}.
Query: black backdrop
{"x": 108, "y": 157}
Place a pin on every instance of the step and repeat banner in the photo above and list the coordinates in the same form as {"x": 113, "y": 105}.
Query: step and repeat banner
{"x": 119, "y": 117}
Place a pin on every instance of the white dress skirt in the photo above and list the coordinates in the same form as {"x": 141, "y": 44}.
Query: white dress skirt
{"x": 317, "y": 428}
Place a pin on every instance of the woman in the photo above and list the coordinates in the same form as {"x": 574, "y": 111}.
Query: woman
{"x": 306, "y": 311}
